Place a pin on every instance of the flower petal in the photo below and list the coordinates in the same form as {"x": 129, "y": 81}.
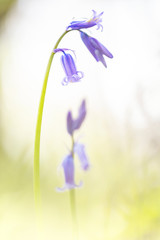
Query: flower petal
{"x": 70, "y": 123}
{"x": 68, "y": 168}
{"x": 68, "y": 64}
{"x": 72, "y": 75}
{"x": 94, "y": 20}
{"x": 96, "y": 44}
{"x": 86, "y": 39}
{"x": 96, "y": 48}
{"x": 100, "y": 57}
{"x": 80, "y": 150}
{"x": 74, "y": 124}
{"x": 81, "y": 116}
{"x": 69, "y": 186}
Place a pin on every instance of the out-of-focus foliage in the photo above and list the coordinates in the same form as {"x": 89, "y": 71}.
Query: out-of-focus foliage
{"x": 5, "y": 6}
{"x": 119, "y": 200}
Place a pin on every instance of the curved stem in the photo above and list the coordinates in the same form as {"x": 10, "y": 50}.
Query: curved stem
{"x": 37, "y": 140}
{"x": 38, "y": 132}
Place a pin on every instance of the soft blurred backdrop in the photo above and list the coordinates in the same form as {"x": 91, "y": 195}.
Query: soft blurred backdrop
{"x": 120, "y": 198}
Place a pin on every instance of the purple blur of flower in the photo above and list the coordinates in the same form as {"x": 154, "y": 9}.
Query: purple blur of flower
{"x": 80, "y": 150}
{"x": 94, "y": 20}
{"x": 72, "y": 75}
{"x": 96, "y": 48}
{"x": 74, "y": 124}
{"x": 68, "y": 168}
{"x": 77, "y": 148}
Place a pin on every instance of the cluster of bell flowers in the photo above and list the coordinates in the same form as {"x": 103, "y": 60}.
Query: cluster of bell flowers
{"x": 97, "y": 49}
{"x": 77, "y": 149}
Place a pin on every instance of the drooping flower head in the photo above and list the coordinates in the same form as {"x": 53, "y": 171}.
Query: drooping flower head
{"x": 74, "y": 124}
{"x": 72, "y": 75}
{"x": 94, "y": 20}
{"x": 68, "y": 168}
{"x": 77, "y": 149}
{"x": 95, "y": 48}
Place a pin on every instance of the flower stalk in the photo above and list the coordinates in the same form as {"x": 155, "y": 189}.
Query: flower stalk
{"x": 36, "y": 173}
{"x": 78, "y": 149}
{"x": 72, "y": 196}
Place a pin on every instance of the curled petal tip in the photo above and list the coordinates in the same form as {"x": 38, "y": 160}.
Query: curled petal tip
{"x": 94, "y": 20}
{"x": 69, "y": 187}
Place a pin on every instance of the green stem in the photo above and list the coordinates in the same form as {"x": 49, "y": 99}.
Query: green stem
{"x": 73, "y": 212}
{"x": 38, "y": 133}
{"x": 72, "y": 193}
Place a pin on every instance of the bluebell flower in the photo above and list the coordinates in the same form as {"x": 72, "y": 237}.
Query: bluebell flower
{"x": 77, "y": 148}
{"x": 94, "y": 20}
{"x": 72, "y": 75}
{"x": 74, "y": 124}
{"x": 96, "y": 48}
{"x": 80, "y": 150}
{"x": 68, "y": 168}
